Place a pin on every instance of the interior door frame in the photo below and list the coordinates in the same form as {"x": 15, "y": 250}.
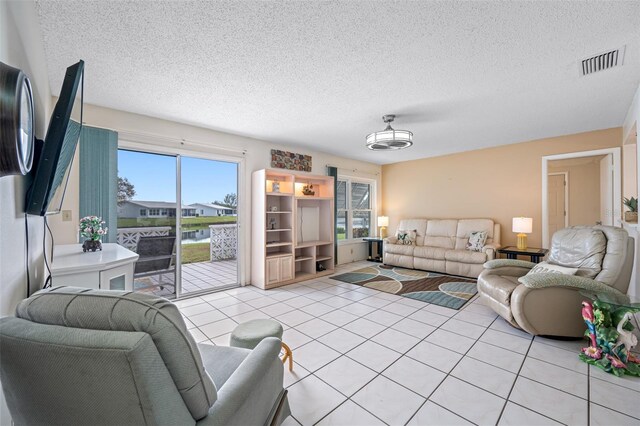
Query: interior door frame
{"x": 617, "y": 185}
{"x": 142, "y": 143}
{"x": 566, "y": 195}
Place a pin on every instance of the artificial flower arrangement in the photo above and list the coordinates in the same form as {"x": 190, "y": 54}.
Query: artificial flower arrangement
{"x": 93, "y": 229}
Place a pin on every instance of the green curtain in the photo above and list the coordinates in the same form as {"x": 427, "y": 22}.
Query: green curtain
{"x": 99, "y": 177}
{"x": 333, "y": 171}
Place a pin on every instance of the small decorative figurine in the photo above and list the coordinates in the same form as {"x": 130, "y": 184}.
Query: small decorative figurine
{"x": 275, "y": 186}
{"x": 272, "y": 223}
{"x": 308, "y": 189}
{"x": 91, "y": 227}
{"x": 273, "y": 208}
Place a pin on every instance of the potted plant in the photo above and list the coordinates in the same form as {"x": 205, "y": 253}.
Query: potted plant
{"x": 91, "y": 227}
{"x": 632, "y": 205}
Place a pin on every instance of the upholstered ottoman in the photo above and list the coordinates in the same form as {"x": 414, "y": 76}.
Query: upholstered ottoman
{"x": 248, "y": 334}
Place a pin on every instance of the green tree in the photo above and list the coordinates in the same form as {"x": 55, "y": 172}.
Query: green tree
{"x": 126, "y": 191}
{"x": 230, "y": 200}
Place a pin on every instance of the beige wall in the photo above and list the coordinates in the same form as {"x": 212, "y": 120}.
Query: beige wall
{"x": 157, "y": 133}
{"x": 584, "y": 188}
{"x": 498, "y": 183}
{"x": 630, "y": 168}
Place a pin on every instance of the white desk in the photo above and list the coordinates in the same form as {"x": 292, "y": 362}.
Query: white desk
{"x": 109, "y": 269}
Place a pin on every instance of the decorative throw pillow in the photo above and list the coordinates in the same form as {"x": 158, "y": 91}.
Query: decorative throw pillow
{"x": 476, "y": 240}
{"x": 549, "y": 268}
{"x": 406, "y": 238}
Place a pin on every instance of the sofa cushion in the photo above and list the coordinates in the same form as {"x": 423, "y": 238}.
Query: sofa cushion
{"x": 420, "y": 226}
{"x": 467, "y": 226}
{"x": 549, "y": 268}
{"x": 465, "y": 256}
{"x": 612, "y": 264}
{"x": 579, "y": 247}
{"x": 426, "y": 252}
{"x": 441, "y": 233}
{"x": 136, "y": 312}
{"x": 405, "y": 250}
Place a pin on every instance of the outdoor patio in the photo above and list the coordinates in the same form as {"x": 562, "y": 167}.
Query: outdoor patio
{"x": 195, "y": 277}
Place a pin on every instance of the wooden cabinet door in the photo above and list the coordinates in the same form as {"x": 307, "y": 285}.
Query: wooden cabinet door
{"x": 286, "y": 268}
{"x": 273, "y": 270}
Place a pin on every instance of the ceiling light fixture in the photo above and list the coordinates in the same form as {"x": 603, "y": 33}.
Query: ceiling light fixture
{"x": 389, "y": 138}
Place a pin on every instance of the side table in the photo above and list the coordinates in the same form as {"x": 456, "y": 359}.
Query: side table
{"x": 536, "y": 254}
{"x": 379, "y": 243}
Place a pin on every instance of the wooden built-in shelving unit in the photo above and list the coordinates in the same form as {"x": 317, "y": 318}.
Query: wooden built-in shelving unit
{"x": 291, "y": 232}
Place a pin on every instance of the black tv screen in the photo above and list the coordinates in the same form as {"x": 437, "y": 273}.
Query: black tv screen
{"x": 52, "y": 170}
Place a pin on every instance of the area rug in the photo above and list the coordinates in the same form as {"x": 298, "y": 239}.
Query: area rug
{"x": 430, "y": 287}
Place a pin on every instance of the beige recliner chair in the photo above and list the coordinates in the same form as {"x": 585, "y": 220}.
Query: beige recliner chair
{"x": 549, "y": 304}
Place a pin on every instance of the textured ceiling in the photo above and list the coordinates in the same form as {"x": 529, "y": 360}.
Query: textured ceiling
{"x": 320, "y": 75}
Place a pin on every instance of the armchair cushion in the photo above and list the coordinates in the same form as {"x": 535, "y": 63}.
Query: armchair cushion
{"x": 573, "y": 281}
{"x": 579, "y": 247}
{"x": 545, "y": 267}
{"x": 127, "y": 311}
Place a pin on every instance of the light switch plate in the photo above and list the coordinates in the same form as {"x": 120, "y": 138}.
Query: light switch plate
{"x": 66, "y": 215}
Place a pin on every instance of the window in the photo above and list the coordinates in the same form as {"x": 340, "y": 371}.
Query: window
{"x": 143, "y": 212}
{"x": 355, "y": 208}
{"x": 154, "y": 212}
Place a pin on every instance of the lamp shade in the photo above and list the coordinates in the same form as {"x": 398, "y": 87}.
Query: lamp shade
{"x": 383, "y": 220}
{"x": 523, "y": 225}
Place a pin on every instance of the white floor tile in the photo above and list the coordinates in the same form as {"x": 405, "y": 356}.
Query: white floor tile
{"x": 354, "y": 295}
{"x": 337, "y": 302}
{"x": 468, "y": 401}
{"x": 315, "y": 328}
{"x": 293, "y": 338}
{"x": 207, "y": 317}
{"x": 358, "y": 309}
{"x": 248, "y": 316}
{"x": 293, "y": 318}
{"x": 615, "y": 397}
{"x": 350, "y": 414}
{"x": 396, "y": 340}
{"x": 450, "y": 340}
{"x": 383, "y": 317}
{"x": 479, "y": 308}
{"x": 498, "y": 357}
{"x": 429, "y": 318}
{"x": 463, "y": 328}
{"x": 188, "y": 302}
{"x": 341, "y": 340}
{"x": 339, "y": 317}
{"x": 311, "y": 399}
{"x": 473, "y": 318}
{"x": 373, "y": 355}
{"x": 317, "y": 309}
{"x": 318, "y": 295}
{"x": 277, "y": 309}
{"x": 298, "y": 373}
{"x": 222, "y": 340}
{"x": 218, "y": 328}
{"x": 290, "y": 421}
{"x": 346, "y": 375}
{"x": 432, "y": 414}
{"x": 501, "y": 325}
{"x": 515, "y": 415}
{"x": 415, "y": 375}
{"x": 556, "y": 377}
{"x": 412, "y": 302}
{"x": 629, "y": 382}
{"x": 237, "y": 309}
{"x": 261, "y": 302}
{"x": 440, "y": 310}
{"x": 314, "y": 355}
{"x": 300, "y": 301}
{"x": 364, "y": 328}
{"x": 414, "y": 328}
{"x": 485, "y": 376}
{"x": 399, "y": 309}
{"x": 224, "y": 302}
{"x": 375, "y": 302}
{"x": 506, "y": 341}
{"x": 601, "y": 416}
{"x": 557, "y": 356}
{"x": 388, "y": 401}
{"x": 550, "y": 402}
{"x": 198, "y": 335}
{"x": 435, "y": 356}
{"x": 194, "y": 310}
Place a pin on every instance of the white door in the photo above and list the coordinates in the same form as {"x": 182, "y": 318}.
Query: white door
{"x": 556, "y": 187}
{"x": 273, "y": 270}
{"x": 286, "y": 268}
{"x": 606, "y": 190}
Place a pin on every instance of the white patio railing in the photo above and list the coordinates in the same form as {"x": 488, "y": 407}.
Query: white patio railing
{"x": 129, "y": 237}
{"x": 224, "y": 241}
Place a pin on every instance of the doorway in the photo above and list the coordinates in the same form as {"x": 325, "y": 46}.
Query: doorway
{"x": 581, "y": 188}
{"x": 185, "y": 248}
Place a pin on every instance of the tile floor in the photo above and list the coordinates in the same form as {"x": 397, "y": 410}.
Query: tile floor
{"x": 363, "y": 357}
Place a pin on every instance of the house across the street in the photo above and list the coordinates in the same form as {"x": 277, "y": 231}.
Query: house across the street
{"x": 137, "y": 209}
{"x": 208, "y": 209}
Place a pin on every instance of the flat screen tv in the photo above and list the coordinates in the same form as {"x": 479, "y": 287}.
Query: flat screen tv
{"x": 54, "y": 162}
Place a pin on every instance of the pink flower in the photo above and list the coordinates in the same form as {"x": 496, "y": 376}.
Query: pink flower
{"x": 616, "y": 362}
{"x": 591, "y": 352}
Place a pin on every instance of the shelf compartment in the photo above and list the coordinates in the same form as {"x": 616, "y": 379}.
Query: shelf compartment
{"x": 323, "y": 258}
{"x": 313, "y": 243}
{"x": 277, "y": 254}
{"x": 279, "y": 230}
{"x": 278, "y": 244}
{"x": 303, "y": 258}
{"x": 268, "y": 212}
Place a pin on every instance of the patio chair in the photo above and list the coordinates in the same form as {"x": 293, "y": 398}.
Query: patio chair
{"x": 157, "y": 257}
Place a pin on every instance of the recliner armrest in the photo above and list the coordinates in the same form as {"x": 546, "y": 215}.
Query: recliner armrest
{"x": 544, "y": 280}
{"x": 506, "y": 263}
{"x": 247, "y": 385}
{"x": 490, "y": 250}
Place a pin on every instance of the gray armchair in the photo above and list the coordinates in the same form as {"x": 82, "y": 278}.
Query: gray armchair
{"x": 76, "y": 356}
{"x": 549, "y": 304}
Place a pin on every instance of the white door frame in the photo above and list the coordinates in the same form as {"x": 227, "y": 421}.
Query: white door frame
{"x": 617, "y": 185}
{"x": 566, "y": 195}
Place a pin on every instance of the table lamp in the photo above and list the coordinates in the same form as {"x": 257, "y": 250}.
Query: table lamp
{"x": 523, "y": 226}
{"x": 383, "y": 222}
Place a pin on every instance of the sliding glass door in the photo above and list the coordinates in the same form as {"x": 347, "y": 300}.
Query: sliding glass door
{"x": 185, "y": 248}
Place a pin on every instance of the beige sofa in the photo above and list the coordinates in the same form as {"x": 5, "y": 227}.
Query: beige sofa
{"x": 440, "y": 246}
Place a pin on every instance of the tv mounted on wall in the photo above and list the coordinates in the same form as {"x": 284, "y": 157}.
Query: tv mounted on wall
{"x": 54, "y": 162}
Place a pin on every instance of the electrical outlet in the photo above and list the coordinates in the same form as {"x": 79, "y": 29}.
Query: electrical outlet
{"x": 66, "y": 215}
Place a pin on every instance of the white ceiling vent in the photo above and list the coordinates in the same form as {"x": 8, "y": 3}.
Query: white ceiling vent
{"x": 601, "y": 62}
